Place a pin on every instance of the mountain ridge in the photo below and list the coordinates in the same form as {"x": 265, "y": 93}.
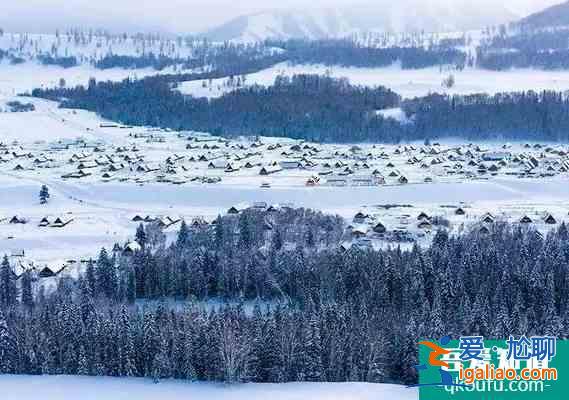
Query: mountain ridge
{"x": 385, "y": 16}
{"x": 557, "y": 15}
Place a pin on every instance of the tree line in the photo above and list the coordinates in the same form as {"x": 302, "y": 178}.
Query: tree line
{"x": 330, "y": 52}
{"x": 522, "y": 115}
{"x": 351, "y": 53}
{"x": 502, "y": 50}
{"x": 323, "y": 109}
{"x": 304, "y": 106}
{"x": 322, "y": 313}
{"x": 541, "y": 49}
{"x": 65, "y": 62}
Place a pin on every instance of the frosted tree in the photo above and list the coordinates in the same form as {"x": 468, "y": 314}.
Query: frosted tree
{"x": 27, "y": 295}
{"x": 7, "y": 350}
{"x": 44, "y": 194}
{"x": 83, "y": 363}
{"x": 106, "y": 275}
{"x": 140, "y": 236}
{"x": 449, "y": 82}
{"x": 244, "y": 231}
{"x": 270, "y": 364}
{"x": 233, "y": 350}
{"x": 161, "y": 368}
{"x": 183, "y": 235}
{"x": 313, "y": 350}
{"x": 126, "y": 345}
{"x": 8, "y": 289}
{"x": 131, "y": 286}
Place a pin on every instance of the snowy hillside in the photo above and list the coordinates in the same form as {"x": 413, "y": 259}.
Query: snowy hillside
{"x": 557, "y": 15}
{"x": 381, "y": 16}
{"x": 21, "y": 69}
{"x": 283, "y": 24}
{"x": 408, "y": 83}
{"x": 89, "y": 45}
{"x": 16, "y": 79}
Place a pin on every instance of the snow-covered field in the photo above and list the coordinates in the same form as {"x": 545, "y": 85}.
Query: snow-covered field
{"x": 23, "y": 78}
{"x": 89, "y": 388}
{"x": 408, "y": 83}
{"x": 102, "y": 212}
{"x": 48, "y": 123}
{"x": 31, "y": 74}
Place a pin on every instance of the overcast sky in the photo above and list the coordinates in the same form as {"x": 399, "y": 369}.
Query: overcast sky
{"x": 179, "y": 16}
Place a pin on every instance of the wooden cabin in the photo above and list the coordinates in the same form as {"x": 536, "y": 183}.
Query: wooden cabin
{"x": 550, "y": 220}
{"x": 379, "y": 228}
{"x": 459, "y": 211}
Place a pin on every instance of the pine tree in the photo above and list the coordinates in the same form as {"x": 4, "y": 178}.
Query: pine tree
{"x": 244, "y": 231}
{"x": 44, "y": 194}
{"x": 436, "y": 325}
{"x": 310, "y": 238}
{"x": 161, "y": 367}
{"x": 313, "y": 350}
{"x": 270, "y": 363}
{"x": 83, "y": 363}
{"x": 140, "y": 236}
{"x": 47, "y": 357}
{"x": 150, "y": 344}
{"x": 126, "y": 344}
{"x": 27, "y": 295}
{"x": 8, "y": 288}
{"x": 106, "y": 275}
{"x": 131, "y": 286}
{"x": 184, "y": 364}
{"x": 219, "y": 232}
{"x": 277, "y": 240}
{"x": 183, "y": 235}
{"x": 7, "y": 347}
{"x": 90, "y": 277}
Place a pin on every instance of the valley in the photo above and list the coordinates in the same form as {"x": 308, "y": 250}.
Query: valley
{"x": 281, "y": 202}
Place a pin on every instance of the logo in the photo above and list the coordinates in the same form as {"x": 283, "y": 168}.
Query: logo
{"x": 435, "y": 361}
{"x": 518, "y": 367}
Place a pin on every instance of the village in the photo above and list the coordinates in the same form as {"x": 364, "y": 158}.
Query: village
{"x": 160, "y": 156}
{"x": 267, "y": 169}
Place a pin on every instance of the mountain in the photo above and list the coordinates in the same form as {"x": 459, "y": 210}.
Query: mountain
{"x": 381, "y": 15}
{"x": 557, "y": 15}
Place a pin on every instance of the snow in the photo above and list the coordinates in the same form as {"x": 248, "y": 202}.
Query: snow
{"x": 262, "y": 26}
{"x": 95, "y": 388}
{"x": 47, "y": 121}
{"x": 378, "y": 16}
{"x": 22, "y": 78}
{"x": 102, "y": 209}
{"x": 407, "y": 83}
{"x": 31, "y": 74}
{"x": 395, "y": 113}
{"x": 217, "y": 198}
{"x": 91, "y": 46}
